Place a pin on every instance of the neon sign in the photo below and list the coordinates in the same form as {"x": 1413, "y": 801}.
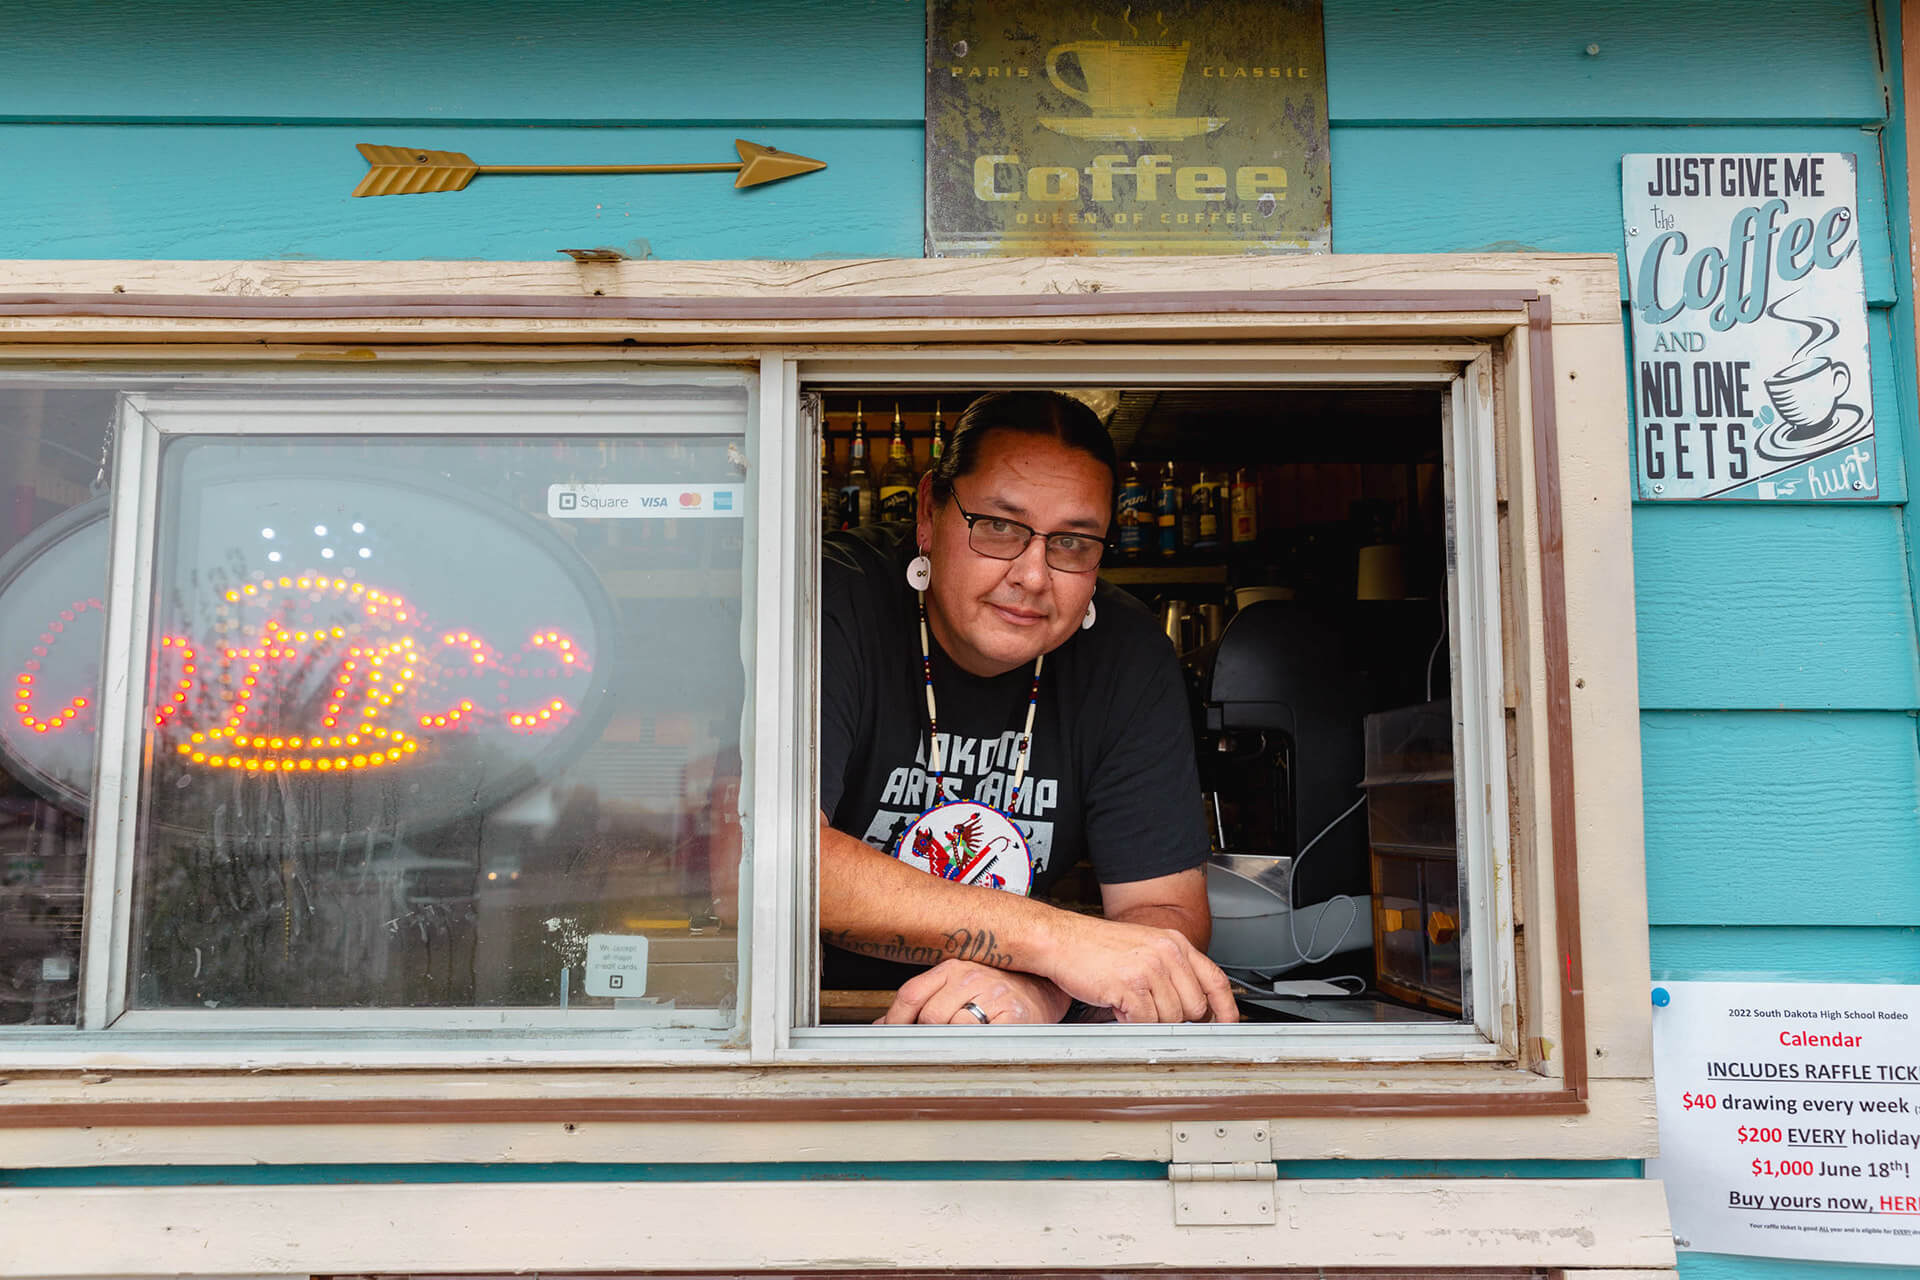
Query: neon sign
{"x": 24, "y": 690}
{"x": 326, "y": 679}
{"x": 320, "y": 672}
{"x": 373, "y": 680}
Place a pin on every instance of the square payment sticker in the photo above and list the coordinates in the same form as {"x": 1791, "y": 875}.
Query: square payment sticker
{"x": 616, "y": 965}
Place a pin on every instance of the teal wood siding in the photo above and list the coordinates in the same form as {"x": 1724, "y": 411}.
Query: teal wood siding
{"x": 1778, "y": 666}
{"x": 223, "y": 129}
{"x": 560, "y": 62}
{"x": 1715, "y": 618}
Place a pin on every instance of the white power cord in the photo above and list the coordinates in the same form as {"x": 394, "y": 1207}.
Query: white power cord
{"x": 1293, "y": 894}
{"x": 1441, "y": 639}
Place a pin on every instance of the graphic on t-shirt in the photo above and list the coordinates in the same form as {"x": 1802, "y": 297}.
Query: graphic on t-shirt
{"x": 888, "y": 825}
{"x": 968, "y": 843}
{"x": 979, "y": 769}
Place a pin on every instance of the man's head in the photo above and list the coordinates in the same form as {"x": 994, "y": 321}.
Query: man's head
{"x": 1035, "y": 458}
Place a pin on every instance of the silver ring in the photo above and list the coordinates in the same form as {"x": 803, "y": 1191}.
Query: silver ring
{"x": 977, "y": 1012}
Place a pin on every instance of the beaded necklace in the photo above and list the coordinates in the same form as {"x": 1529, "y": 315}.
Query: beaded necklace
{"x": 935, "y": 762}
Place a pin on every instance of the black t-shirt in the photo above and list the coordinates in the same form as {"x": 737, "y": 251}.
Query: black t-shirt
{"x": 1111, "y": 772}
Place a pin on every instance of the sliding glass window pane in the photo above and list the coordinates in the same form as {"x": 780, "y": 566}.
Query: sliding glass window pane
{"x": 53, "y": 541}
{"x": 448, "y": 723}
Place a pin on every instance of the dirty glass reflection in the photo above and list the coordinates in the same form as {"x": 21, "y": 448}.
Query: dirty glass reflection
{"x": 52, "y": 532}
{"x": 419, "y": 732}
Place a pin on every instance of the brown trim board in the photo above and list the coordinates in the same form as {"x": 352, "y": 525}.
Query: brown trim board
{"x": 1257, "y": 1106}
{"x": 1553, "y": 586}
{"x": 1271, "y": 1273}
{"x": 591, "y": 307}
{"x": 1569, "y": 1100}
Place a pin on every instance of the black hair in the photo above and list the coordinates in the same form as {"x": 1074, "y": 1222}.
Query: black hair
{"x": 1054, "y": 414}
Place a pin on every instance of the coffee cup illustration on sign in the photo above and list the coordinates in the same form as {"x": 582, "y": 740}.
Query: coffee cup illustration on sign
{"x": 1123, "y": 77}
{"x": 1809, "y": 414}
{"x": 1132, "y": 87}
{"x": 1807, "y": 391}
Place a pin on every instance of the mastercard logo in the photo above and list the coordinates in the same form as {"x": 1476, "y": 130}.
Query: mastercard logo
{"x": 689, "y": 499}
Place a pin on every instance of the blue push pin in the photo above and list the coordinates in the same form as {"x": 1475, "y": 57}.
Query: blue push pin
{"x": 1661, "y": 998}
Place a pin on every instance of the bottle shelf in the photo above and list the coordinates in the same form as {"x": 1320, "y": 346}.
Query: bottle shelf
{"x": 1144, "y": 575}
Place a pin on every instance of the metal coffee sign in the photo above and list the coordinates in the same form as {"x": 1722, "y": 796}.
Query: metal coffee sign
{"x": 1750, "y": 377}
{"x": 1197, "y": 126}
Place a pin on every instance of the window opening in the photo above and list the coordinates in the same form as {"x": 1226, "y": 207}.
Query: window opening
{"x": 232, "y": 915}
{"x": 1292, "y": 543}
{"x": 440, "y": 714}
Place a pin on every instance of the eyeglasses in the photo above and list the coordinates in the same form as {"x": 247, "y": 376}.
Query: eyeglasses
{"x": 999, "y": 538}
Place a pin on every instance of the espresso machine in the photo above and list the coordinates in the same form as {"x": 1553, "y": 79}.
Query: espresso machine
{"x": 1281, "y": 735}
{"x": 1281, "y": 705}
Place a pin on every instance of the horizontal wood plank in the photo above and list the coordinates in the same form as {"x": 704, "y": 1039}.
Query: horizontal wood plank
{"x": 1758, "y": 607}
{"x": 584, "y": 61}
{"x": 1620, "y": 1124}
{"x": 1793, "y": 818}
{"x": 1581, "y": 285}
{"x": 748, "y": 1226}
{"x": 1682, "y": 60}
{"x": 1810, "y": 954}
{"x": 103, "y": 191}
{"x": 284, "y": 192}
{"x": 1443, "y": 190}
{"x": 1313, "y": 298}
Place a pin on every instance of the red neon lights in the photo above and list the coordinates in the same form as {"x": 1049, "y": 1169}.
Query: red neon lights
{"x": 370, "y": 653}
{"x": 23, "y": 683}
{"x": 547, "y": 655}
{"x": 170, "y": 707}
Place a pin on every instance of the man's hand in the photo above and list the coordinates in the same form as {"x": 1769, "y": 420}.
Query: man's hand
{"x": 1142, "y": 973}
{"x": 940, "y": 996}
{"x": 1144, "y": 962}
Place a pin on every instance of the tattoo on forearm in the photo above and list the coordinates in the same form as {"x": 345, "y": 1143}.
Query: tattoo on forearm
{"x": 979, "y": 946}
{"x": 897, "y": 949}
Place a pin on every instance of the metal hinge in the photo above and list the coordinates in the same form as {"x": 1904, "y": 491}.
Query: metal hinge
{"x": 1223, "y": 1174}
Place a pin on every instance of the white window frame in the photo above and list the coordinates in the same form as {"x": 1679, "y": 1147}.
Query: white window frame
{"x": 1460, "y": 378}
{"x": 779, "y": 985}
{"x": 1580, "y": 1086}
{"x": 271, "y": 403}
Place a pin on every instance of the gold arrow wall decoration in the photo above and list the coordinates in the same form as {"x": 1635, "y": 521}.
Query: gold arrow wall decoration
{"x": 406, "y": 171}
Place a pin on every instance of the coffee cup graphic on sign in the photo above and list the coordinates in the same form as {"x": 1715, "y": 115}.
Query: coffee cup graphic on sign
{"x": 1809, "y": 413}
{"x": 1123, "y": 77}
{"x": 1806, "y": 392}
{"x": 1131, "y": 86}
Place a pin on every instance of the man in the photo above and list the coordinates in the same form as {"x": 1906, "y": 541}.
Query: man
{"x": 976, "y": 657}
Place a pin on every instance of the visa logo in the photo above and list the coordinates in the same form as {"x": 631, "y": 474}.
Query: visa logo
{"x": 653, "y": 502}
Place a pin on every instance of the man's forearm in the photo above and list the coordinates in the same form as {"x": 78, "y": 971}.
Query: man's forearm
{"x": 982, "y": 947}
{"x": 874, "y": 905}
{"x": 1196, "y": 925}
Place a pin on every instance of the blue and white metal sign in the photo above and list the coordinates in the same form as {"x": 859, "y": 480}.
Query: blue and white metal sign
{"x": 1749, "y": 321}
